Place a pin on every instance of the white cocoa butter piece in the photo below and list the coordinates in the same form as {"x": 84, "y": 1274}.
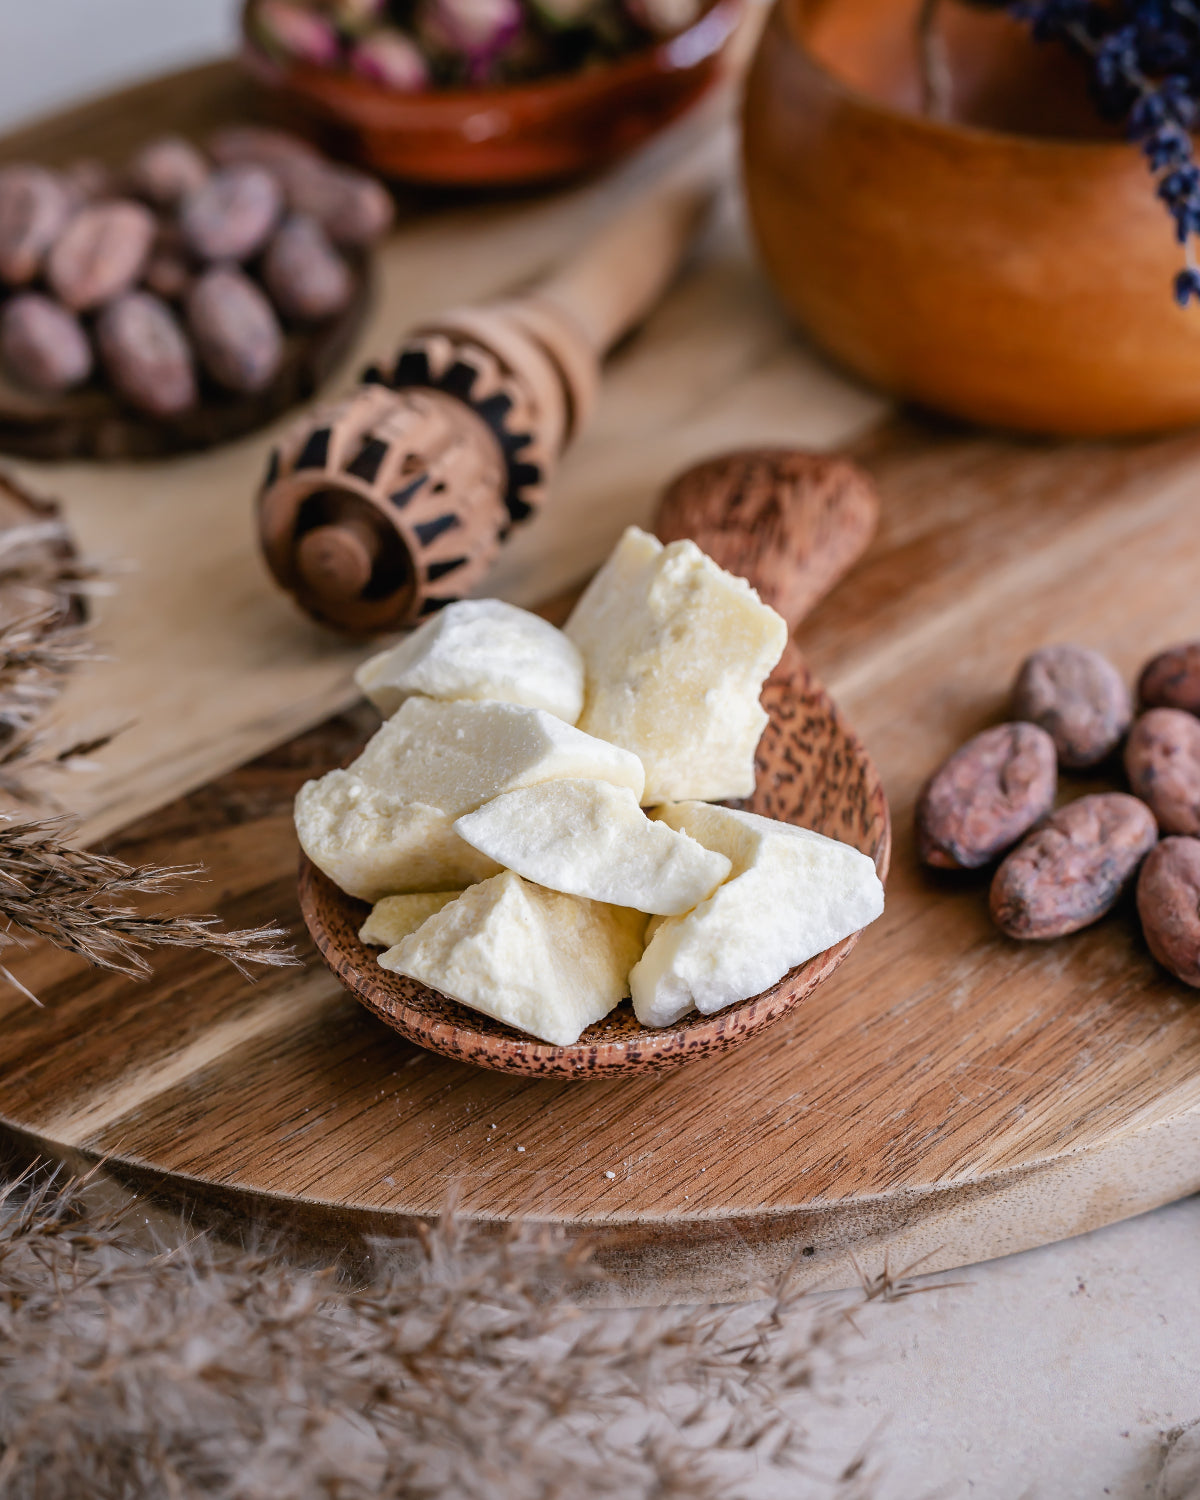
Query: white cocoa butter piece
{"x": 395, "y": 917}
{"x": 479, "y": 649}
{"x": 545, "y": 963}
{"x": 589, "y": 838}
{"x": 372, "y": 843}
{"x": 457, "y": 756}
{"x": 384, "y": 827}
{"x": 676, "y": 651}
{"x": 793, "y": 893}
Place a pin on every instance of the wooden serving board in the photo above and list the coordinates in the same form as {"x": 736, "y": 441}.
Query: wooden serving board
{"x": 947, "y": 1096}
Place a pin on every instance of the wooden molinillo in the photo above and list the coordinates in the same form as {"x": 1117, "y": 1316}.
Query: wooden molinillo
{"x": 793, "y": 524}
{"x": 381, "y": 508}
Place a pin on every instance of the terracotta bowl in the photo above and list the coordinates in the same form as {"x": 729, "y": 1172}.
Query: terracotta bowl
{"x": 1019, "y": 280}
{"x": 547, "y": 131}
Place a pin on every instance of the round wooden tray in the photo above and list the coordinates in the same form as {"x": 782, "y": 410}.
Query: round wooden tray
{"x": 92, "y": 423}
{"x": 812, "y": 770}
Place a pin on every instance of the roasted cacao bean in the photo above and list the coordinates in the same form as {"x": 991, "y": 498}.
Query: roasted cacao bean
{"x": 34, "y": 209}
{"x": 232, "y": 215}
{"x": 235, "y": 330}
{"x": 980, "y": 801}
{"x": 1162, "y": 760}
{"x": 87, "y": 181}
{"x": 1168, "y": 901}
{"x": 1071, "y": 869}
{"x": 43, "y": 346}
{"x": 167, "y": 170}
{"x": 304, "y": 274}
{"x": 167, "y": 276}
{"x": 1077, "y": 696}
{"x": 352, "y": 208}
{"x": 146, "y": 355}
{"x": 1172, "y": 679}
{"x": 259, "y": 146}
{"x": 100, "y": 253}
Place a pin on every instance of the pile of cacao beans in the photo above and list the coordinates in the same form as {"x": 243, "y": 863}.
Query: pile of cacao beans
{"x": 174, "y": 279}
{"x": 1060, "y": 870}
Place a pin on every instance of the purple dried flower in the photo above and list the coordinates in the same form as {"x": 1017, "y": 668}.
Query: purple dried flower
{"x": 1187, "y": 286}
{"x": 389, "y": 57}
{"x": 296, "y": 32}
{"x": 477, "y": 30}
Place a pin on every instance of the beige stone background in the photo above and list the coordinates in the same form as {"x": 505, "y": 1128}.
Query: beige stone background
{"x": 1051, "y": 1374}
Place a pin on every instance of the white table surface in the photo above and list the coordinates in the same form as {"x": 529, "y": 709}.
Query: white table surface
{"x": 1053, "y": 1375}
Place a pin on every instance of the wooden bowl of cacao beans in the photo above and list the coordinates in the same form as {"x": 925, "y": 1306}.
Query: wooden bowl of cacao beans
{"x": 183, "y": 299}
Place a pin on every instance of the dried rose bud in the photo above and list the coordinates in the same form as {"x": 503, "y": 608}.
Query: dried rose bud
{"x": 43, "y": 345}
{"x": 389, "y": 57}
{"x": 475, "y": 29}
{"x": 357, "y": 15}
{"x": 296, "y": 33}
{"x": 664, "y": 17}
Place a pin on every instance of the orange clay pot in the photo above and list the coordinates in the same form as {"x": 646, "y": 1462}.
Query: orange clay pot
{"x": 1016, "y": 280}
{"x": 556, "y": 128}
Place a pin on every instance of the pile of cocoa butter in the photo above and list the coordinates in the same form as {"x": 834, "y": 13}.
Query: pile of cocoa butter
{"x": 176, "y": 276}
{"x": 1061, "y": 870}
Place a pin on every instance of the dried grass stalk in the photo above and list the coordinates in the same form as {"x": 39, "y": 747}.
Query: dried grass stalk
{"x": 458, "y": 1369}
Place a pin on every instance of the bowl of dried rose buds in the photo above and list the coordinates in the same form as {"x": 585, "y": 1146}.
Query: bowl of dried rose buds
{"x": 480, "y": 93}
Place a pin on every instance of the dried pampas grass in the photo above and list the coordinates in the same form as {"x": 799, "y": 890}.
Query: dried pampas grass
{"x": 459, "y": 1367}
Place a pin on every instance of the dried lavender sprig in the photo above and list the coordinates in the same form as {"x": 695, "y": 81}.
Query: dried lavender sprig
{"x": 73, "y": 898}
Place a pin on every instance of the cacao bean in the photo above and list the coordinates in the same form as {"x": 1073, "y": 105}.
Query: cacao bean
{"x": 43, "y": 346}
{"x": 1077, "y": 696}
{"x": 1168, "y": 902}
{"x": 231, "y": 217}
{"x": 34, "y": 209}
{"x": 146, "y": 355}
{"x": 167, "y": 276}
{"x": 1162, "y": 760}
{"x": 236, "y": 332}
{"x": 1072, "y": 868}
{"x": 101, "y": 253}
{"x": 259, "y": 146}
{"x": 167, "y": 170}
{"x": 352, "y": 208}
{"x": 1172, "y": 679}
{"x": 304, "y": 273}
{"x": 87, "y": 181}
{"x": 980, "y": 801}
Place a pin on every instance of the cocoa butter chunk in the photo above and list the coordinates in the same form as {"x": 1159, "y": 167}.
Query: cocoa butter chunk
{"x": 236, "y": 332}
{"x": 1078, "y": 697}
{"x": 167, "y": 170}
{"x": 1162, "y": 761}
{"x": 145, "y": 355}
{"x": 1168, "y": 902}
{"x": 100, "y": 253}
{"x": 1172, "y": 679}
{"x": 978, "y": 803}
{"x": 1068, "y": 872}
{"x": 232, "y": 215}
{"x": 304, "y": 274}
{"x": 34, "y": 208}
{"x": 43, "y": 346}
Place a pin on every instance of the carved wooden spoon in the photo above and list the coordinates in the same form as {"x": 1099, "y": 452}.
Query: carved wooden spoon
{"x": 792, "y": 523}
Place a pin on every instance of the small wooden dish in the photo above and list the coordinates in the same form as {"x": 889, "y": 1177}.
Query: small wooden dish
{"x": 547, "y": 131}
{"x": 812, "y": 770}
{"x": 92, "y": 423}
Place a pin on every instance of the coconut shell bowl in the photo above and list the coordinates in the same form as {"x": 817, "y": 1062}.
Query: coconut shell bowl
{"x": 545, "y": 131}
{"x": 1008, "y": 263}
{"x": 793, "y": 524}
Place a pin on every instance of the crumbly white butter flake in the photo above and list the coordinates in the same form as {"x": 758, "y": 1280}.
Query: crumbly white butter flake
{"x": 385, "y": 826}
{"x": 479, "y": 649}
{"x": 395, "y": 917}
{"x": 676, "y": 651}
{"x": 792, "y": 894}
{"x": 589, "y": 838}
{"x": 546, "y": 963}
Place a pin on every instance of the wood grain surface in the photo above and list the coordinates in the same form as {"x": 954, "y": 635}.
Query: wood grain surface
{"x": 949, "y": 1094}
